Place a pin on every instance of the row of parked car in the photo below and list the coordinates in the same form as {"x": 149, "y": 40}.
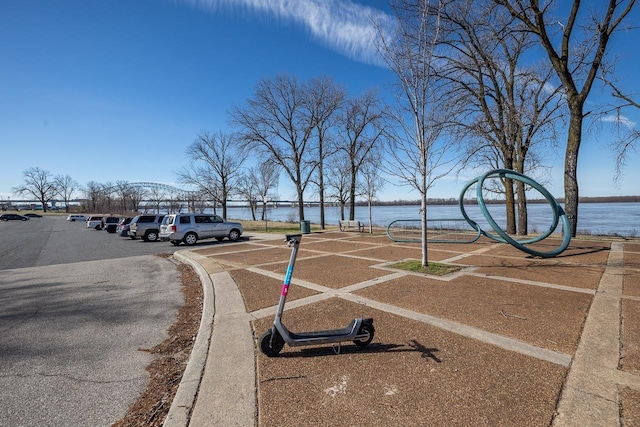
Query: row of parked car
{"x": 184, "y": 228}
{"x": 17, "y": 217}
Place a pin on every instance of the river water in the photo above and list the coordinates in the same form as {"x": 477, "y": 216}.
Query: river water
{"x": 622, "y": 219}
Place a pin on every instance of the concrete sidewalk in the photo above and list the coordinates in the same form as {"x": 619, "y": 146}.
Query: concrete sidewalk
{"x": 508, "y": 340}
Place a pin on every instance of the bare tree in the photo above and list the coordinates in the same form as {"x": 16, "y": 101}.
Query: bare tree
{"x": 502, "y": 104}
{"x": 338, "y": 182}
{"x": 576, "y": 56}
{"x": 627, "y": 133}
{"x": 370, "y": 182}
{"x": 248, "y": 190}
{"x": 418, "y": 158}
{"x": 257, "y": 186}
{"x": 107, "y": 192}
{"x": 136, "y": 195}
{"x": 267, "y": 177}
{"x": 93, "y": 191}
{"x": 123, "y": 190}
{"x": 362, "y": 128}
{"x": 156, "y": 196}
{"x": 66, "y": 186}
{"x": 276, "y": 123}
{"x": 324, "y": 99}
{"x": 38, "y": 183}
{"x": 216, "y": 166}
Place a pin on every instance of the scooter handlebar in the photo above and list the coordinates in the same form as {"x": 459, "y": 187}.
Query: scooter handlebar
{"x": 291, "y": 238}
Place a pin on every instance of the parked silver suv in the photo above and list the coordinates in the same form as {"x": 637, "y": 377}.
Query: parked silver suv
{"x": 189, "y": 228}
{"x": 145, "y": 226}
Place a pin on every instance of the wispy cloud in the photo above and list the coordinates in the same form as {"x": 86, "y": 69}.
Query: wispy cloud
{"x": 342, "y": 25}
{"x": 619, "y": 120}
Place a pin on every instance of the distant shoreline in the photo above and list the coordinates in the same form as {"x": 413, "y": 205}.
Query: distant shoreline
{"x": 454, "y": 201}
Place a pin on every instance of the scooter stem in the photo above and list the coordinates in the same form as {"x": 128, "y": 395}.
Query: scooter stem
{"x": 294, "y": 241}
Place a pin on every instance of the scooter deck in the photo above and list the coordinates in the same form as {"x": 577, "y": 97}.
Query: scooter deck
{"x": 330, "y": 333}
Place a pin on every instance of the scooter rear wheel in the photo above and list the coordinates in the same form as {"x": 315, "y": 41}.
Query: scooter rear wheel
{"x": 271, "y": 347}
{"x": 365, "y": 329}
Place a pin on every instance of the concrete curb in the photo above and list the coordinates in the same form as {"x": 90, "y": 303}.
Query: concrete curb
{"x": 590, "y": 392}
{"x": 184, "y": 401}
{"x": 185, "y": 397}
{"x": 227, "y": 395}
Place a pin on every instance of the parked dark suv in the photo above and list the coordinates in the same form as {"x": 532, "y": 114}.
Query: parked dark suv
{"x": 110, "y": 223}
{"x": 145, "y": 226}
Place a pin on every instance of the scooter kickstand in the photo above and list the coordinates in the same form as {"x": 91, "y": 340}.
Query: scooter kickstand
{"x": 338, "y": 348}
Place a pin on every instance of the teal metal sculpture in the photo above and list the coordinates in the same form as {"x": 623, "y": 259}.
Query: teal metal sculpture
{"x": 558, "y": 215}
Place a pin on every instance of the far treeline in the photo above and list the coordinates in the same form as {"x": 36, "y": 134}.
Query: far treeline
{"x": 454, "y": 201}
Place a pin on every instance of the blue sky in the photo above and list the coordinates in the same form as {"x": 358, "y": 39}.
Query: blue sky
{"x": 117, "y": 90}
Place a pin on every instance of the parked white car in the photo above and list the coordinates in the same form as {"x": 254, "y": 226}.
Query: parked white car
{"x": 76, "y": 217}
{"x": 94, "y": 221}
{"x": 189, "y": 228}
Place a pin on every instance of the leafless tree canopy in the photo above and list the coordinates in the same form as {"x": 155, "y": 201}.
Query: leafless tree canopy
{"x": 277, "y": 123}
{"x": 504, "y": 106}
{"x": 418, "y": 155}
{"x": 258, "y": 186}
{"x": 371, "y": 181}
{"x": 576, "y": 44}
{"x": 362, "y": 128}
{"x": 338, "y": 182}
{"x": 325, "y": 99}
{"x": 65, "y": 188}
{"x": 38, "y": 183}
{"x": 215, "y": 167}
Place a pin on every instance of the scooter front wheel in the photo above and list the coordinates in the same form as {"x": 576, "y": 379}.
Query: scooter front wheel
{"x": 271, "y": 343}
{"x": 365, "y": 329}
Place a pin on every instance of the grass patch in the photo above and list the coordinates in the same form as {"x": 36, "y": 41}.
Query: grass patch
{"x": 433, "y": 268}
{"x": 271, "y": 227}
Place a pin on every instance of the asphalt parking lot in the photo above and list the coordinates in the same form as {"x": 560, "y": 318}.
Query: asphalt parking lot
{"x": 77, "y": 306}
{"x": 54, "y": 240}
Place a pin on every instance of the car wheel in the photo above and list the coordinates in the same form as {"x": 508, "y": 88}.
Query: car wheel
{"x": 190, "y": 239}
{"x": 234, "y": 235}
{"x": 98, "y": 227}
{"x": 151, "y": 236}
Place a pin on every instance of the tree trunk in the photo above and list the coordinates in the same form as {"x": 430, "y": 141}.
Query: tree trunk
{"x": 423, "y": 218}
{"x": 300, "y": 204}
{"x": 321, "y": 205}
{"x": 522, "y": 209}
{"x": 352, "y": 198}
{"x": 511, "y": 208}
{"x": 571, "y": 195}
{"x": 321, "y": 189}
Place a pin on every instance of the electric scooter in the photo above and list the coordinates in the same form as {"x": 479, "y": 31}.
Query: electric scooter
{"x": 360, "y": 331}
